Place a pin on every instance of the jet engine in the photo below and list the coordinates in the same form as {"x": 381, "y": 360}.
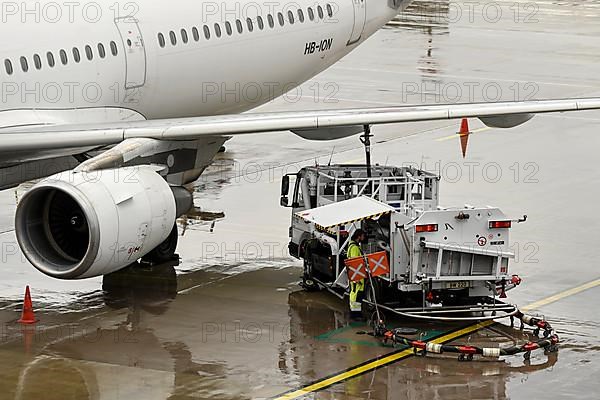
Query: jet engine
{"x": 77, "y": 225}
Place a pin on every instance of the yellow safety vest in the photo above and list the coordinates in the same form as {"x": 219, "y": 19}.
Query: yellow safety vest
{"x": 354, "y": 250}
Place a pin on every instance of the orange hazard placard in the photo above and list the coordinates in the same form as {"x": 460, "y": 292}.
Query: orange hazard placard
{"x": 378, "y": 263}
{"x": 356, "y": 268}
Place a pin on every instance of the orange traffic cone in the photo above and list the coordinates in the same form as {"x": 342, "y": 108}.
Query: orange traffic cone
{"x": 27, "y": 316}
{"x": 464, "y": 136}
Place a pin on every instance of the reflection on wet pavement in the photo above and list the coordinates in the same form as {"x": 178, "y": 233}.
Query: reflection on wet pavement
{"x": 250, "y": 335}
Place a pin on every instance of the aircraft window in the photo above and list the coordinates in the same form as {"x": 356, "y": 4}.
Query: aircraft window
{"x": 173, "y": 38}
{"x": 102, "y": 51}
{"x": 24, "y": 64}
{"x": 113, "y": 48}
{"x": 88, "y": 53}
{"x": 161, "y": 40}
{"x": 300, "y": 16}
{"x": 195, "y": 34}
{"x": 329, "y": 10}
{"x": 206, "y": 31}
{"x": 63, "y": 57}
{"x": 311, "y": 14}
{"x": 270, "y": 20}
{"x": 261, "y": 24}
{"x": 320, "y": 10}
{"x": 37, "y": 61}
{"x": 184, "y": 36}
{"x": 8, "y": 66}
{"x": 291, "y": 17}
{"x": 280, "y": 18}
{"x": 250, "y": 24}
{"x": 228, "y": 28}
{"x": 76, "y": 55}
{"x": 238, "y": 25}
{"x": 218, "y": 30}
{"x": 50, "y": 58}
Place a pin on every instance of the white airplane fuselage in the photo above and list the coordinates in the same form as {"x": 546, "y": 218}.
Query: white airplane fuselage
{"x": 106, "y": 61}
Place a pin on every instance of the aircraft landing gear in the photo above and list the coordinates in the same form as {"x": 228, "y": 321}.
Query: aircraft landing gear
{"x": 165, "y": 251}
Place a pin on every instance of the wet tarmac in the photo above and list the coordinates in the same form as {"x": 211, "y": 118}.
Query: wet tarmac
{"x": 229, "y": 321}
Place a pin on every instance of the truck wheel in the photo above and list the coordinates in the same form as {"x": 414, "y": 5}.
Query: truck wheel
{"x": 308, "y": 283}
{"x": 376, "y": 292}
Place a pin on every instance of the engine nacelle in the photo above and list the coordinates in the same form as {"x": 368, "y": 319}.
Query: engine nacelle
{"x": 80, "y": 225}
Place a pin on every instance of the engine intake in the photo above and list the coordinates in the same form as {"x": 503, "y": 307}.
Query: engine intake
{"x": 54, "y": 231}
{"x": 74, "y": 225}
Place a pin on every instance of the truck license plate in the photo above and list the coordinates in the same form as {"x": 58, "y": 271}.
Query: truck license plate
{"x": 457, "y": 285}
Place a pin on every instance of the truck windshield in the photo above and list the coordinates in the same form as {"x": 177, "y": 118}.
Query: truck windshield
{"x": 298, "y": 197}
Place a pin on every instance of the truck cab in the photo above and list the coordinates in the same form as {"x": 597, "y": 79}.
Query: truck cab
{"x": 317, "y": 186}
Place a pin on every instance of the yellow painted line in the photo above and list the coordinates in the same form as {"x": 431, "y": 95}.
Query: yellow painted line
{"x": 376, "y": 364}
{"x": 561, "y": 295}
{"x": 353, "y": 372}
{"x": 454, "y": 136}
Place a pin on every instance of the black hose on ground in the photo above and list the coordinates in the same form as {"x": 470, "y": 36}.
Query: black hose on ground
{"x": 549, "y": 342}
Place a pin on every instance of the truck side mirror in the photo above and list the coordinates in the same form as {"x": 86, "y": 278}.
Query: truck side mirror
{"x": 284, "y": 201}
{"x": 285, "y": 185}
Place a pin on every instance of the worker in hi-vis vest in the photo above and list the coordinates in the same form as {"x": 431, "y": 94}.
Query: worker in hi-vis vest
{"x": 356, "y": 288}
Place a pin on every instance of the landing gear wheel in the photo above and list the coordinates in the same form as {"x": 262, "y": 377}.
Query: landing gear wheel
{"x": 165, "y": 251}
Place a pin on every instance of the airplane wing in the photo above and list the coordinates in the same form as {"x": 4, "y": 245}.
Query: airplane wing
{"x": 315, "y": 125}
{"x": 77, "y": 225}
